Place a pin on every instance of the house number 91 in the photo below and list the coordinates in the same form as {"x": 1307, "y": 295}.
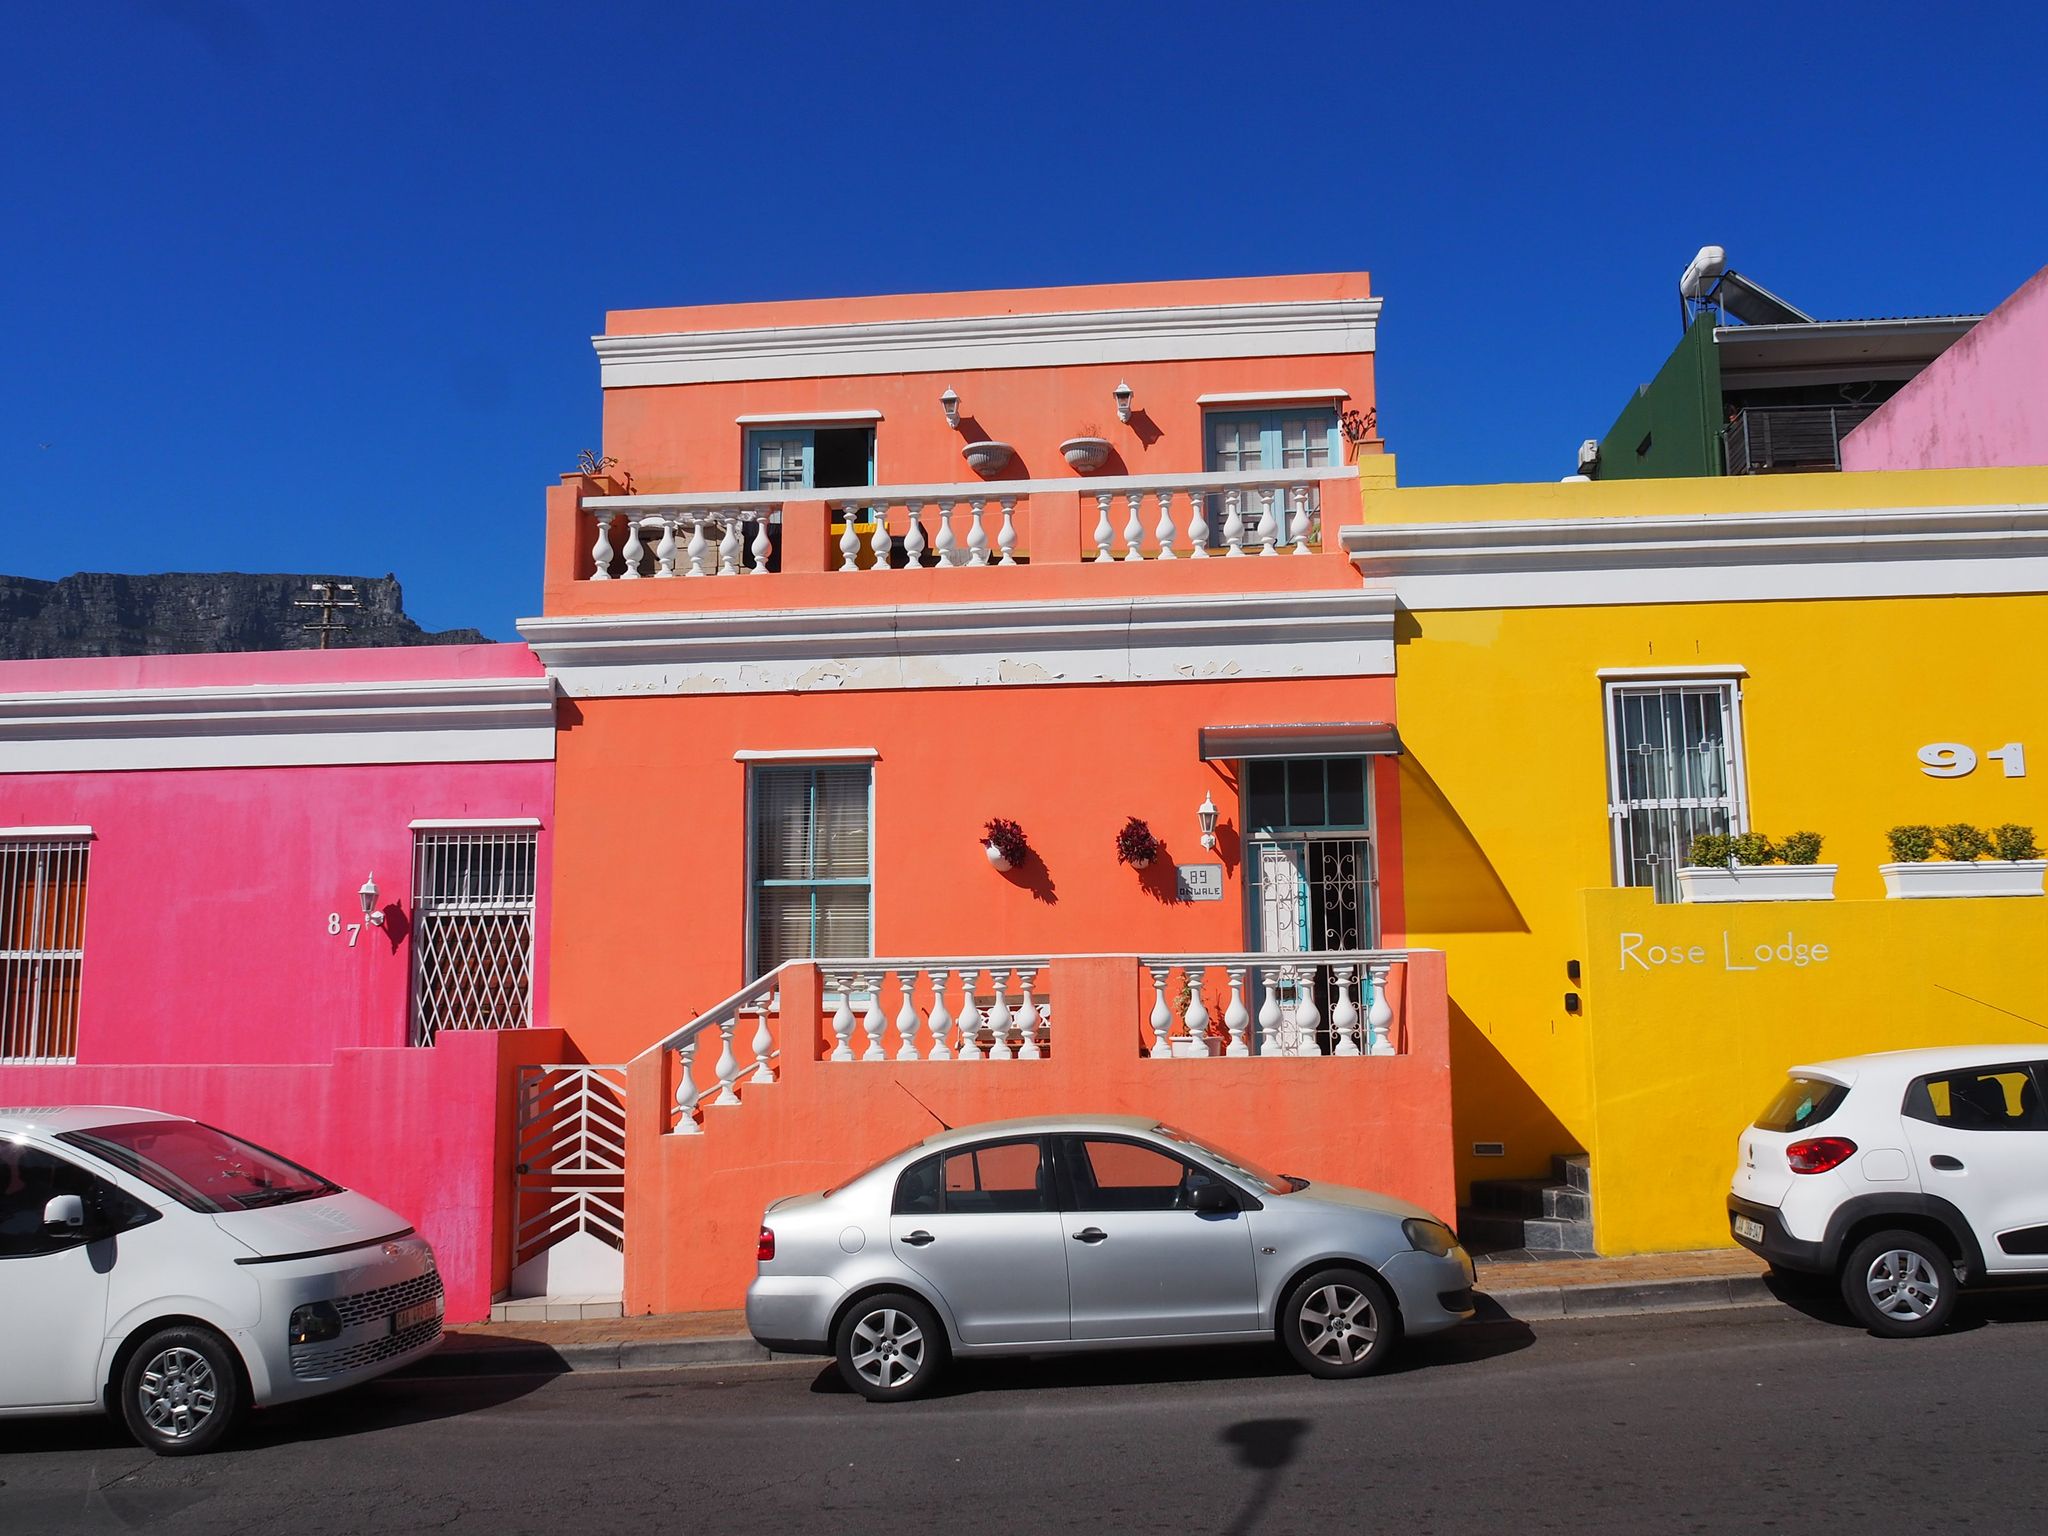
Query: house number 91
{"x": 1951, "y": 759}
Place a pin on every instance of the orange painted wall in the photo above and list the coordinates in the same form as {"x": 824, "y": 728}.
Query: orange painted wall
{"x": 694, "y": 1203}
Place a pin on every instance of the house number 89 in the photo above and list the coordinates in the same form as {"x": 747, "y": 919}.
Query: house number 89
{"x": 1951, "y": 759}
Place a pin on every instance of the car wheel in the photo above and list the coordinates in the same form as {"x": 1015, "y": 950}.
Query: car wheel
{"x": 890, "y": 1346}
{"x": 1340, "y": 1323}
{"x": 1900, "y": 1285}
{"x": 181, "y": 1392}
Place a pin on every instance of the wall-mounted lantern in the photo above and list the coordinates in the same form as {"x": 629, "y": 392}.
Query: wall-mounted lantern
{"x": 372, "y": 914}
{"x": 950, "y": 403}
{"x": 1206, "y": 815}
{"x": 1123, "y": 401}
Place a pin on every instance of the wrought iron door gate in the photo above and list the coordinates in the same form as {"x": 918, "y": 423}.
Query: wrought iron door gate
{"x": 569, "y": 1159}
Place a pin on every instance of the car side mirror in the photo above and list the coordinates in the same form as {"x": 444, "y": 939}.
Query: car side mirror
{"x": 64, "y": 1213}
{"x": 1210, "y": 1198}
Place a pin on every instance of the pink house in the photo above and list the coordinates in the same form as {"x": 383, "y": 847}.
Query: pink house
{"x": 296, "y": 895}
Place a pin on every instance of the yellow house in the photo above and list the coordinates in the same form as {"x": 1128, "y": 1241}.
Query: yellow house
{"x": 1588, "y": 674}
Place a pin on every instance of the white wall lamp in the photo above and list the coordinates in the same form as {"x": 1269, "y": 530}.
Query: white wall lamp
{"x": 372, "y": 914}
{"x": 1123, "y": 401}
{"x": 1206, "y": 815}
{"x": 950, "y": 402}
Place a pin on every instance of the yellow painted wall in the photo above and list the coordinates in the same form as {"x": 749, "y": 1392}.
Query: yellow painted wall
{"x": 1504, "y": 784}
{"x": 1684, "y": 1051}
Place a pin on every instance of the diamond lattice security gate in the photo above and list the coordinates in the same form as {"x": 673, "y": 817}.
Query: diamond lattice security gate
{"x": 472, "y": 953}
{"x": 569, "y": 1175}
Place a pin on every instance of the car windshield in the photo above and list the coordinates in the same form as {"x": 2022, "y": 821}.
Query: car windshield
{"x": 200, "y": 1167}
{"x": 1243, "y": 1167}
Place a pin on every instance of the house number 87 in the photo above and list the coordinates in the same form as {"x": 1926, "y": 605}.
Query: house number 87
{"x": 1951, "y": 760}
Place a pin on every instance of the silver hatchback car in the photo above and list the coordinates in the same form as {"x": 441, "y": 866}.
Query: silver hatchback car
{"x": 1081, "y": 1232}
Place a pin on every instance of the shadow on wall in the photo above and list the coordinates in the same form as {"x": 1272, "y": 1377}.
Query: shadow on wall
{"x": 1448, "y": 883}
{"x": 1491, "y": 1102}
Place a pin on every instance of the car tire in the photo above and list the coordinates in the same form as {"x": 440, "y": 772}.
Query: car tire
{"x": 1900, "y": 1285}
{"x": 1339, "y": 1324}
{"x": 890, "y": 1346}
{"x": 181, "y": 1391}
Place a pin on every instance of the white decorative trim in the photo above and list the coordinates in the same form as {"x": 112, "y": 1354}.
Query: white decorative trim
{"x": 1275, "y": 397}
{"x": 42, "y": 834}
{"x": 265, "y": 725}
{"x": 1718, "y": 672}
{"x": 803, "y": 418}
{"x": 475, "y": 824}
{"x": 1169, "y": 333}
{"x": 1710, "y": 558}
{"x": 1346, "y": 633}
{"x": 808, "y": 755}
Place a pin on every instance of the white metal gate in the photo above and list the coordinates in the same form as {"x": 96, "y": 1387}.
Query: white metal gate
{"x": 569, "y": 1170}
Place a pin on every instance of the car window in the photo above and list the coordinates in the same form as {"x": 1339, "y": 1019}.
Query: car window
{"x": 2000, "y": 1098}
{"x": 30, "y": 1178}
{"x": 1800, "y": 1103}
{"x": 917, "y": 1189}
{"x": 997, "y": 1176}
{"x": 1114, "y": 1175}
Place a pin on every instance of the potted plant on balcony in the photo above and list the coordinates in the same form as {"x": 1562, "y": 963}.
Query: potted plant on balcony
{"x": 1135, "y": 844}
{"x": 1950, "y": 861}
{"x": 1003, "y": 841}
{"x": 1747, "y": 866}
{"x": 1088, "y": 452}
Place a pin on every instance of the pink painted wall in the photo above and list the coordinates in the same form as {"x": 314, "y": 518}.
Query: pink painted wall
{"x": 1982, "y": 404}
{"x": 378, "y": 664}
{"x": 425, "y": 1132}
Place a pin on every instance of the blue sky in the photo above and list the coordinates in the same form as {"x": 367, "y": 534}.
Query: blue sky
{"x": 310, "y": 286}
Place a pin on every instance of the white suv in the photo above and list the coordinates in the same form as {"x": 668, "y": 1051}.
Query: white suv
{"x": 1904, "y": 1175}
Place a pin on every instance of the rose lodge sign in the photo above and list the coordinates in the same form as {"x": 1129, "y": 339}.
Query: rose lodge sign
{"x": 1732, "y": 954}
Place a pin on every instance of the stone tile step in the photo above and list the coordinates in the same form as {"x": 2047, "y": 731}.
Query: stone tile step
{"x": 556, "y": 1309}
{"x": 1532, "y": 1197}
{"x": 1548, "y": 1232}
{"x": 1574, "y": 1169}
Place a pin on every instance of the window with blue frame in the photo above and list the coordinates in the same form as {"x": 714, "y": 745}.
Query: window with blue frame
{"x": 812, "y": 863}
{"x": 1292, "y": 437}
{"x": 804, "y": 458}
{"x": 1312, "y": 882}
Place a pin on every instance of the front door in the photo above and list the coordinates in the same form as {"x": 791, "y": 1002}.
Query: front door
{"x": 53, "y": 1284}
{"x": 1140, "y": 1264}
{"x": 1980, "y": 1142}
{"x": 981, "y": 1226}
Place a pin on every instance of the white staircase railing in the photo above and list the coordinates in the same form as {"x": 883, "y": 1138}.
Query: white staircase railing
{"x": 1332, "y": 1002}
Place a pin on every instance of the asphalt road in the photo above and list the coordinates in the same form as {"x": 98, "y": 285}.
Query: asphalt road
{"x": 1753, "y": 1420}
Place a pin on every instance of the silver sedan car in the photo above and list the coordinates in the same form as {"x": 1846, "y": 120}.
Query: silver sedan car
{"x": 1081, "y": 1232}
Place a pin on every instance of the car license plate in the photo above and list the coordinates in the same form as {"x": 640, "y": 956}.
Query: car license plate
{"x": 1753, "y": 1230}
{"x": 413, "y": 1316}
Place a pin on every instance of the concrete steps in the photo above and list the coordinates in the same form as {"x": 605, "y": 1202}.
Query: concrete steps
{"x": 556, "y": 1309}
{"x": 1540, "y": 1215}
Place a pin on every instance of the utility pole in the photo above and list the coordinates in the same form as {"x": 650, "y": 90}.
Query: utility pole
{"x": 328, "y": 597}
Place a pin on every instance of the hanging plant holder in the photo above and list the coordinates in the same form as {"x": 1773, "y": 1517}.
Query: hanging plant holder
{"x": 1003, "y": 842}
{"x": 1135, "y": 844}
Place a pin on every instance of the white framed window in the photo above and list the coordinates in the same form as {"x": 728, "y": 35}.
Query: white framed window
{"x": 810, "y": 860}
{"x": 793, "y": 458}
{"x": 1674, "y": 769}
{"x": 42, "y": 943}
{"x": 472, "y": 939}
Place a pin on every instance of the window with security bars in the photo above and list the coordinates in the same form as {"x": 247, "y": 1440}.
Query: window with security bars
{"x": 472, "y": 940}
{"x": 1674, "y": 770}
{"x": 812, "y": 863}
{"x": 42, "y": 947}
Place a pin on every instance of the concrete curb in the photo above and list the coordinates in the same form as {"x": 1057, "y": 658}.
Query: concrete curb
{"x": 468, "y": 1355}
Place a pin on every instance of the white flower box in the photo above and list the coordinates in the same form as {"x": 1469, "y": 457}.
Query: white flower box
{"x": 1757, "y": 882}
{"x": 1978, "y": 877}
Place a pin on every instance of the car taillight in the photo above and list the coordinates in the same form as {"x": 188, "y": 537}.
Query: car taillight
{"x": 766, "y": 1249}
{"x": 1820, "y": 1154}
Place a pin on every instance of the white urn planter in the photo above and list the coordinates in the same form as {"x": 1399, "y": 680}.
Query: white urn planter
{"x": 986, "y": 458}
{"x": 1757, "y": 882}
{"x": 995, "y": 856}
{"x": 1086, "y": 454}
{"x": 1946, "y": 877}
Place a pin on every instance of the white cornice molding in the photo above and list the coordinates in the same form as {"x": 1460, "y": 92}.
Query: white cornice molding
{"x": 435, "y": 720}
{"x": 1708, "y": 558}
{"x": 1347, "y": 633}
{"x": 1173, "y": 333}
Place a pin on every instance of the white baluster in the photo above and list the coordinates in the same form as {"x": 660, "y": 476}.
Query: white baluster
{"x": 1105, "y": 534}
{"x": 1198, "y": 524}
{"x": 878, "y": 538}
{"x": 970, "y": 1017}
{"x": 1269, "y": 526}
{"x": 728, "y": 544}
{"x": 849, "y": 539}
{"x": 1006, "y": 540}
{"x": 873, "y": 1023}
{"x": 763, "y": 1046}
{"x": 947, "y": 545}
{"x": 601, "y": 552}
{"x": 699, "y": 545}
{"x": 999, "y": 1017}
{"x": 1381, "y": 1015}
{"x": 977, "y": 535}
{"x": 1235, "y": 1016}
{"x": 1027, "y": 1017}
{"x": 1134, "y": 528}
{"x": 665, "y": 550}
{"x": 728, "y": 1069}
{"x": 1297, "y": 527}
{"x": 1162, "y": 1016}
{"x": 635, "y": 551}
{"x": 941, "y": 1019}
{"x": 906, "y": 1017}
{"x": 1163, "y": 530}
{"x": 913, "y": 537}
{"x": 1269, "y": 1015}
{"x": 1198, "y": 1011}
{"x": 1344, "y": 1014}
{"x": 686, "y": 1090}
{"x": 842, "y": 1020}
{"x": 1308, "y": 1018}
{"x": 1233, "y": 523}
{"x": 763, "y": 545}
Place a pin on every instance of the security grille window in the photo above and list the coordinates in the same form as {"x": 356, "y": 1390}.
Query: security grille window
{"x": 472, "y": 955}
{"x": 1673, "y": 771}
{"x": 42, "y": 947}
{"x": 813, "y": 874}
{"x": 1312, "y": 885}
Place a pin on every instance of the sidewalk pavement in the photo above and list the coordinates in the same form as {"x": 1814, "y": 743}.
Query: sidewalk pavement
{"x": 1519, "y": 1290}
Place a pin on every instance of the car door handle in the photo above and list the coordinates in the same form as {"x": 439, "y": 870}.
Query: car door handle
{"x": 1090, "y": 1235}
{"x": 918, "y": 1238}
{"x": 1945, "y": 1163}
